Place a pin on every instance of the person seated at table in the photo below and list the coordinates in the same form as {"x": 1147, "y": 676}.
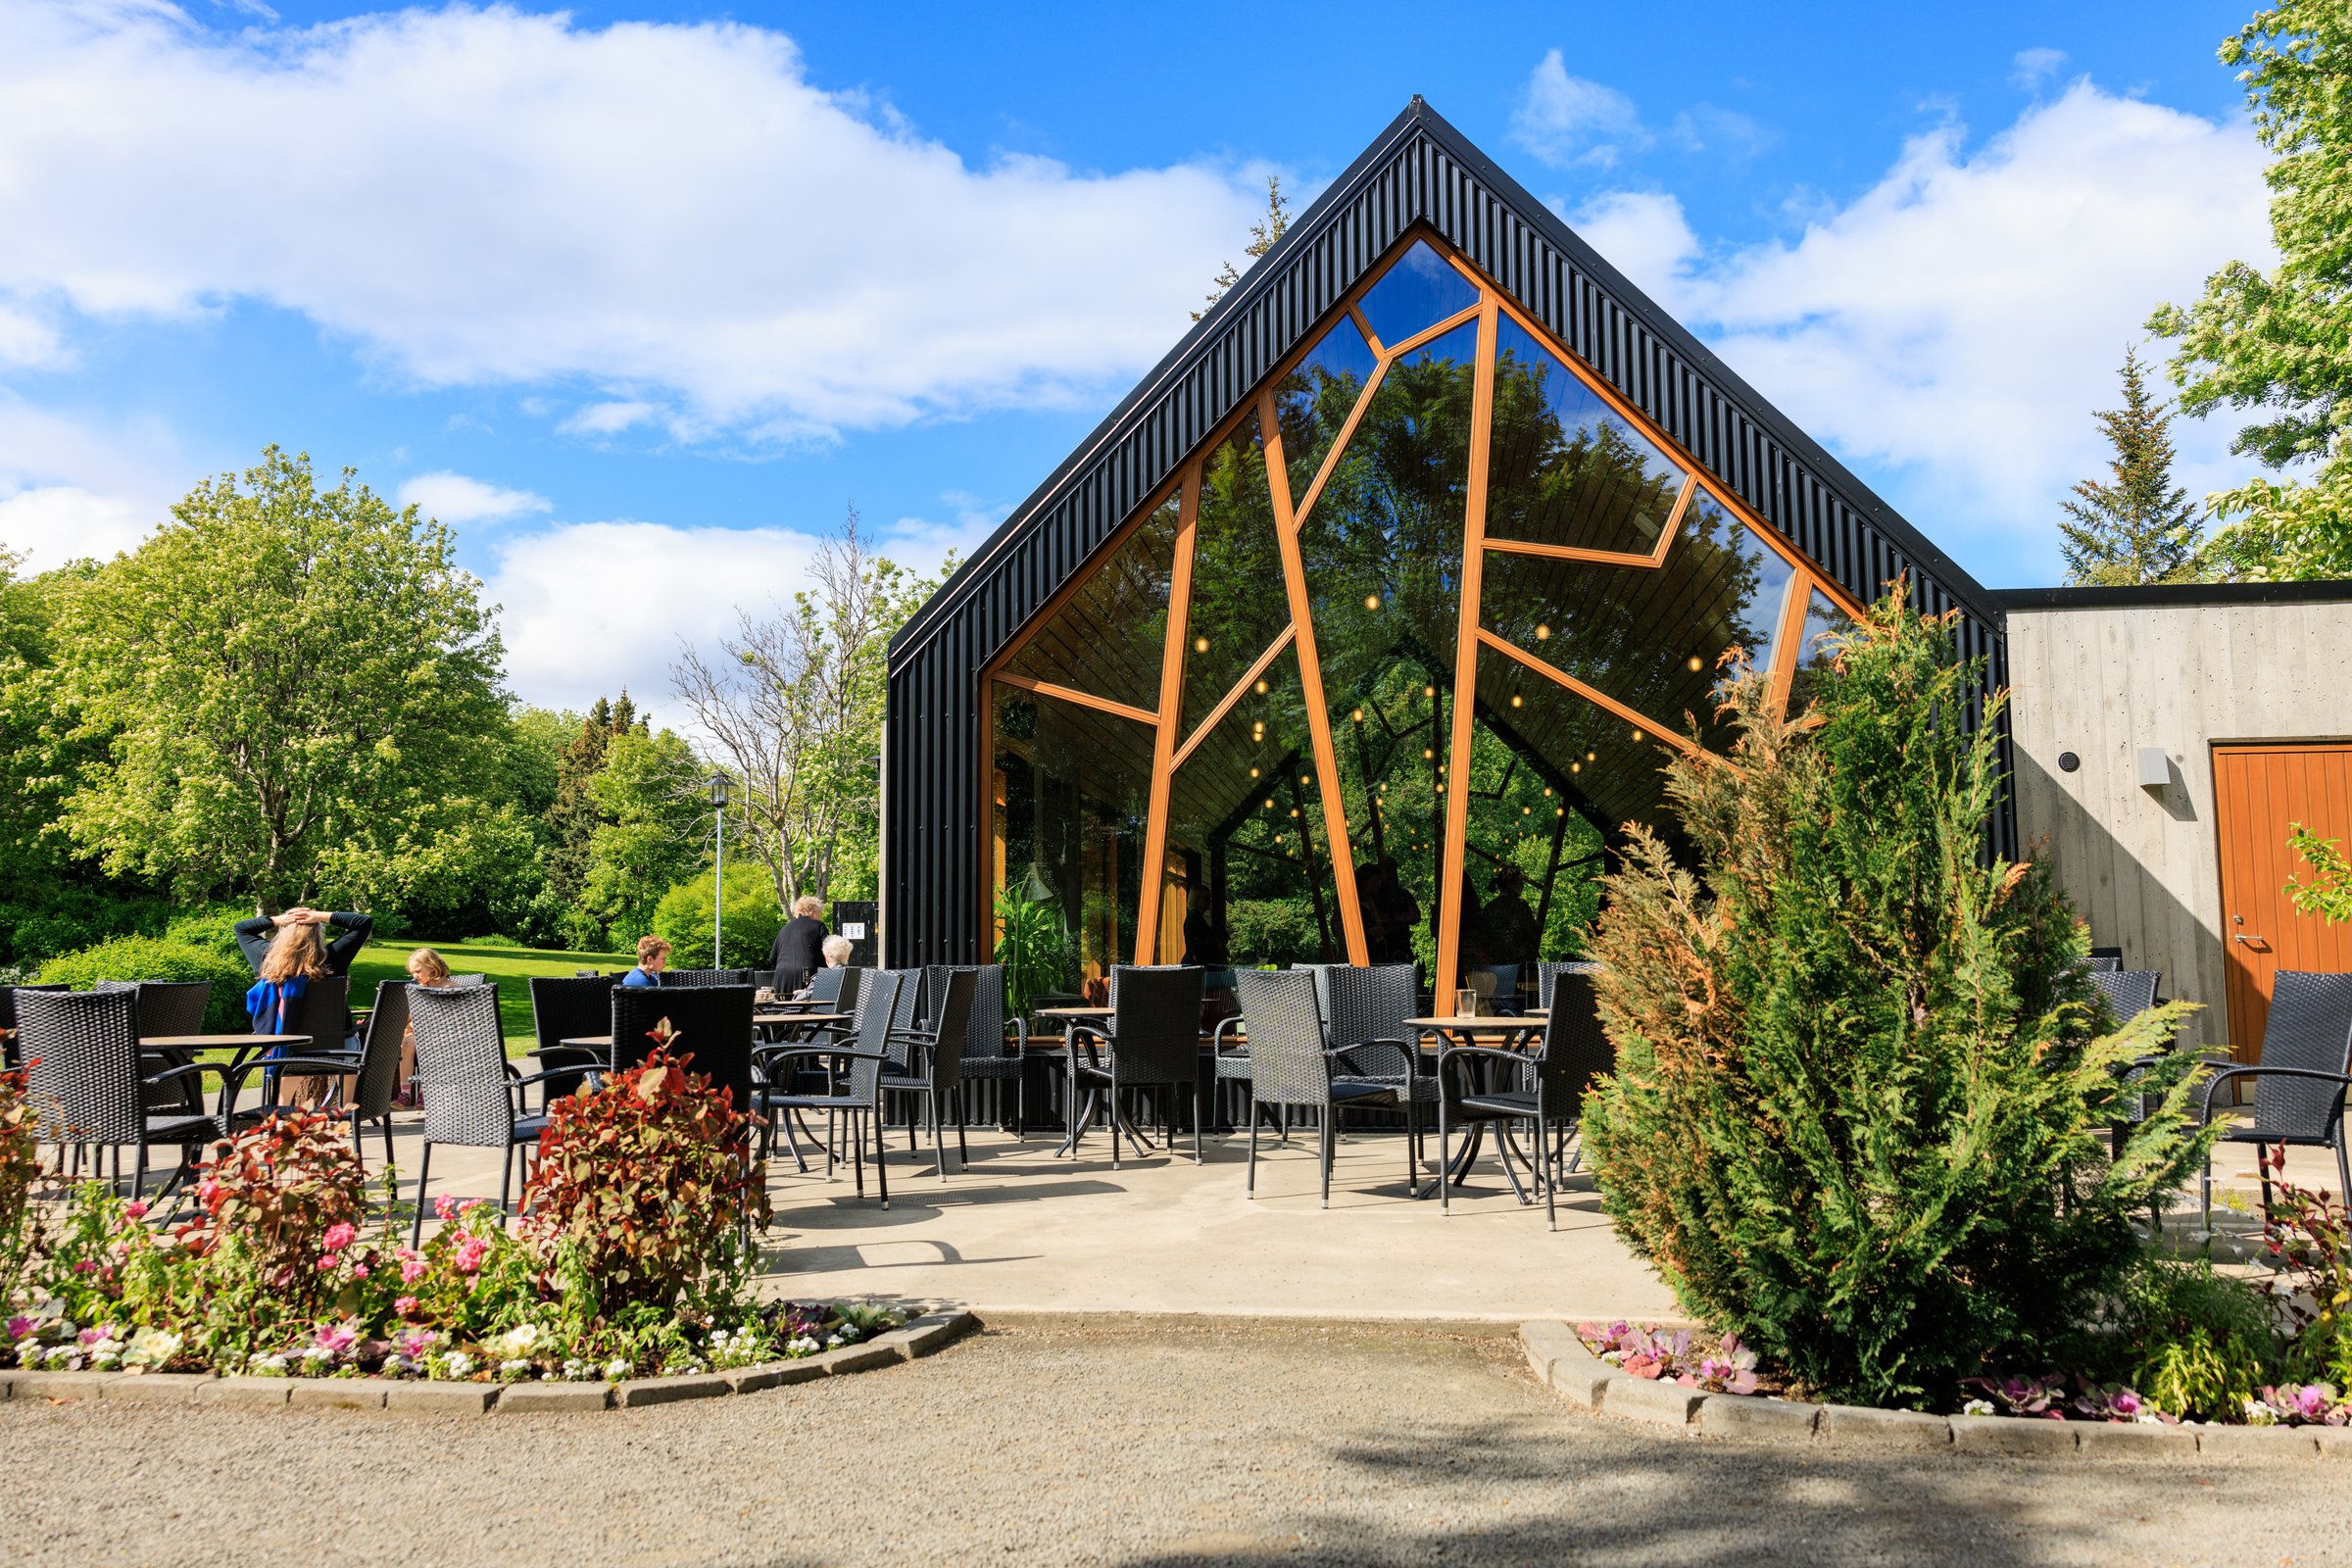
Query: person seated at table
{"x": 653, "y": 956}
{"x": 293, "y": 960}
{"x": 1204, "y": 943}
{"x": 836, "y": 953}
{"x": 800, "y": 947}
{"x": 257, "y": 936}
{"x": 1511, "y": 924}
{"x": 426, "y": 968}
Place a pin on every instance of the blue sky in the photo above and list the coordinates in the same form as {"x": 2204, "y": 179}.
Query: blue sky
{"x": 638, "y": 297}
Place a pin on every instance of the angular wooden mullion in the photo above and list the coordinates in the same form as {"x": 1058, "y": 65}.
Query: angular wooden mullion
{"x": 1216, "y": 716}
{"x": 1331, "y": 459}
{"x": 1171, "y": 703}
{"x": 1430, "y": 334}
{"x": 1598, "y": 699}
{"x": 1784, "y": 647}
{"x": 1651, "y": 560}
{"x": 1465, "y": 660}
{"x": 1356, "y": 316}
{"x": 1311, "y": 691}
{"x": 1071, "y": 694}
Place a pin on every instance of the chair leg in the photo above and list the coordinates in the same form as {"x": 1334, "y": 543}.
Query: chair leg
{"x": 963, "y": 1152}
{"x": 857, "y": 1145}
{"x": 1198, "y": 1158}
{"x": 939, "y": 1141}
{"x": 138, "y": 1172}
{"x": 386, "y": 1124}
{"x": 1250, "y": 1186}
{"x": 505, "y": 1178}
{"x": 1412, "y": 1163}
{"x": 881, "y": 1171}
{"x": 1544, "y": 1174}
{"x": 424, "y": 1172}
{"x": 1112, "y": 1095}
{"x": 1326, "y": 1137}
{"x": 1445, "y": 1160}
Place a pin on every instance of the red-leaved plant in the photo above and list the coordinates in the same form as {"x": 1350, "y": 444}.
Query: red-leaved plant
{"x": 643, "y": 1188}
{"x": 20, "y": 1163}
{"x": 279, "y": 1189}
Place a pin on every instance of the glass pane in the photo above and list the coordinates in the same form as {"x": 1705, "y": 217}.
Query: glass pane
{"x": 1110, "y": 637}
{"x": 1650, "y": 639}
{"x": 1072, "y": 788}
{"x": 1314, "y": 400}
{"x": 1416, "y": 293}
{"x": 1816, "y": 647}
{"x": 1238, "y": 602}
{"x": 1534, "y": 860}
{"x": 1566, "y": 469}
{"x": 1246, "y": 841}
{"x": 1383, "y": 555}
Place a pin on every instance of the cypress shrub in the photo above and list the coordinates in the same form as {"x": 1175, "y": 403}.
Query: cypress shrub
{"x": 1863, "y": 1081}
{"x": 155, "y": 958}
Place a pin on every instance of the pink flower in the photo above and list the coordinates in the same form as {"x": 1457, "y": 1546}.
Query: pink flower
{"x": 85, "y": 1266}
{"x": 413, "y": 1269}
{"x": 471, "y": 1204}
{"x": 135, "y": 1210}
{"x": 21, "y": 1325}
{"x": 338, "y": 1236}
{"x": 471, "y": 1253}
{"x": 444, "y": 1206}
{"x": 359, "y": 1271}
{"x": 336, "y": 1337}
{"x": 405, "y": 1306}
{"x": 326, "y": 1262}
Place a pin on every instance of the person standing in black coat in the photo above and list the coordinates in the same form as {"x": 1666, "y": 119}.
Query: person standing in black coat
{"x": 800, "y": 949}
{"x": 254, "y": 936}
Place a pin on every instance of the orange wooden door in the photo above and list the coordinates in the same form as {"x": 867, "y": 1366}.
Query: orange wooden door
{"x": 2259, "y": 792}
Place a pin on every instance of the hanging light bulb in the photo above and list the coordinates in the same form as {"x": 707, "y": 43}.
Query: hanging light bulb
{"x": 1253, "y": 772}
{"x": 1517, "y": 700}
{"x": 1360, "y": 716}
{"x": 1427, "y": 754}
{"x": 1543, "y": 634}
{"x": 1371, "y": 600}
{"x": 1199, "y": 645}
{"x": 1576, "y": 767}
{"x": 1696, "y": 663}
{"x": 1636, "y": 737}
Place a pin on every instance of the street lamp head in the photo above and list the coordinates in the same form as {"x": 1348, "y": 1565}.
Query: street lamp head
{"x": 720, "y": 785}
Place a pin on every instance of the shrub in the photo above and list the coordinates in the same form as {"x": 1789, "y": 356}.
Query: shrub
{"x": 683, "y": 920}
{"x": 2196, "y": 1344}
{"x": 209, "y": 928}
{"x": 277, "y": 1189}
{"x": 156, "y": 959}
{"x": 2310, "y": 1235}
{"x": 68, "y": 915}
{"x": 1270, "y": 930}
{"x": 1035, "y": 946}
{"x": 20, "y": 1163}
{"x": 1861, "y": 1095}
{"x": 640, "y": 1191}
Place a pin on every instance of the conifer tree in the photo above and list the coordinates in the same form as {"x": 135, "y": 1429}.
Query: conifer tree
{"x": 2139, "y": 527}
{"x": 1862, "y": 1091}
{"x": 1262, "y": 235}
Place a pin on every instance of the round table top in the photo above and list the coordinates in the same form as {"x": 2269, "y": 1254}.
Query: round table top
{"x": 1480, "y": 1023}
{"x": 204, "y": 1042}
{"x": 1076, "y": 1012}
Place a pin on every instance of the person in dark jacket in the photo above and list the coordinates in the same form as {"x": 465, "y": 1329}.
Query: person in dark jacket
{"x": 255, "y": 936}
{"x": 800, "y": 949}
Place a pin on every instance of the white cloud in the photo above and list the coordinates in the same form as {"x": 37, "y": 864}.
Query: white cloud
{"x": 1726, "y": 133}
{"x": 593, "y": 607}
{"x": 453, "y": 497}
{"x": 1567, "y": 120}
{"x": 70, "y": 488}
{"x": 1952, "y": 329}
{"x": 481, "y": 197}
{"x": 610, "y": 419}
{"x": 2031, "y": 68}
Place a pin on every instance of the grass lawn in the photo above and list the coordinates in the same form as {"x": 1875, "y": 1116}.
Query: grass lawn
{"x": 509, "y": 968}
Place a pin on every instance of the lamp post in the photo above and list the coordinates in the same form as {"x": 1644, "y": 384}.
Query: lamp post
{"x": 718, "y": 872}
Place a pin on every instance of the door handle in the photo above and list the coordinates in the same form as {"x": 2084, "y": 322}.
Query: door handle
{"x": 2240, "y": 936}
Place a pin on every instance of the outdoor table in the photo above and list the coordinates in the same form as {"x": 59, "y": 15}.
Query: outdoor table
{"x": 1466, "y": 1029}
{"x": 242, "y": 1049}
{"x": 1077, "y": 1012}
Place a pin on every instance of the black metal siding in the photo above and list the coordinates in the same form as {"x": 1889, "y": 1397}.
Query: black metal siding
{"x": 1419, "y": 171}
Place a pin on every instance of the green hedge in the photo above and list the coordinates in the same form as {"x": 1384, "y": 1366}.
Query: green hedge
{"x": 155, "y": 958}
{"x": 683, "y": 920}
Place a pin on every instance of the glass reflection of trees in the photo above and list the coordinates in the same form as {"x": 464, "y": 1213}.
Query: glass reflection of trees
{"x": 1617, "y": 574}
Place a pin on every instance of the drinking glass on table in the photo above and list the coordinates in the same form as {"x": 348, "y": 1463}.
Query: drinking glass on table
{"x": 1465, "y": 1003}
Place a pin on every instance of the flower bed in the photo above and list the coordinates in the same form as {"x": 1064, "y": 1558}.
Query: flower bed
{"x": 634, "y": 1259}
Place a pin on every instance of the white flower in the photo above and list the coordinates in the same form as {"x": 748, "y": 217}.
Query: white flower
{"x": 104, "y": 1356}
{"x": 803, "y": 1345}
{"x": 1977, "y": 1408}
{"x": 616, "y": 1369}
{"x": 832, "y": 1340}
{"x": 457, "y": 1364}
{"x": 152, "y": 1348}
{"x": 516, "y": 1344}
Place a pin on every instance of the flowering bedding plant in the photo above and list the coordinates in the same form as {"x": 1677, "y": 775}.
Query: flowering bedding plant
{"x": 1718, "y": 1365}
{"x": 287, "y": 1270}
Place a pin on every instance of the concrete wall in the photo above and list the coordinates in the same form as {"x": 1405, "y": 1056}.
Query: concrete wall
{"x": 2102, "y": 673}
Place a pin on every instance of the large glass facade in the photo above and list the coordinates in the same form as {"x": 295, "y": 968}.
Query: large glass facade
{"x": 1239, "y": 739}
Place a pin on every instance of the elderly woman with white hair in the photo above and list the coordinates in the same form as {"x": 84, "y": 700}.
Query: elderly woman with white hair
{"x": 837, "y": 951}
{"x": 800, "y": 946}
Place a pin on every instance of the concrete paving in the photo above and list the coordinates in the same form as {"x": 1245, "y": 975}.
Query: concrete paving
{"x": 1108, "y": 1442}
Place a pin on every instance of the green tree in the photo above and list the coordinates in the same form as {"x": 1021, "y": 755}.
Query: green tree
{"x": 2328, "y": 893}
{"x": 572, "y": 816}
{"x": 2139, "y": 527}
{"x": 2281, "y": 341}
{"x": 794, "y": 703}
{"x": 1862, "y": 1094}
{"x": 1262, "y": 235}
{"x": 648, "y": 799}
{"x": 278, "y": 671}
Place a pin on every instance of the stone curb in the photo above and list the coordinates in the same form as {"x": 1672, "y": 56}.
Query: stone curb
{"x": 917, "y": 1337}
{"x": 1560, "y": 1363}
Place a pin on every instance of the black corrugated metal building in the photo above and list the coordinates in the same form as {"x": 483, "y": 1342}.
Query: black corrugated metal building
{"x": 1419, "y": 177}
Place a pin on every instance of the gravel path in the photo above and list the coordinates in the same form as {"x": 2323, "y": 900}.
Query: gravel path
{"x": 1095, "y": 1442}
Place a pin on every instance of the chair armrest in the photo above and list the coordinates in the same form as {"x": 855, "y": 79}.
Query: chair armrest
{"x": 1019, "y": 1028}
{"x": 2342, "y": 1081}
{"x": 1403, "y": 1052}
{"x": 1216, "y": 1035}
{"x": 834, "y": 1052}
{"x": 516, "y": 1080}
{"x": 190, "y": 1070}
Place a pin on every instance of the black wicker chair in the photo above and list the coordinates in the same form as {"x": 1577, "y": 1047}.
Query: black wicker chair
{"x": 707, "y": 977}
{"x": 1545, "y": 1088}
{"x": 579, "y": 1007}
{"x": 2300, "y": 1081}
{"x": 1364, "y": 1014}
{"x": 1291, "y": 1067}
{"x": 1549, "y": 972}
{"x": 989, "y": 1058}
{"x": 2129, "y": 992}
{"x": 714, "y": 1025}
{"x": 1152, "y": 1040}
{"x": 321, "y": 1015}
{"x": 377, "y": 1081}
{"x": 473, "y": 1097}
{"x": 935, "y": 1049}
{"x": 9, "y": 1054}
{"x": 167, "y": 1008}
{"x": 856, "y": 1094}
{"x": 85, "y": 1084}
